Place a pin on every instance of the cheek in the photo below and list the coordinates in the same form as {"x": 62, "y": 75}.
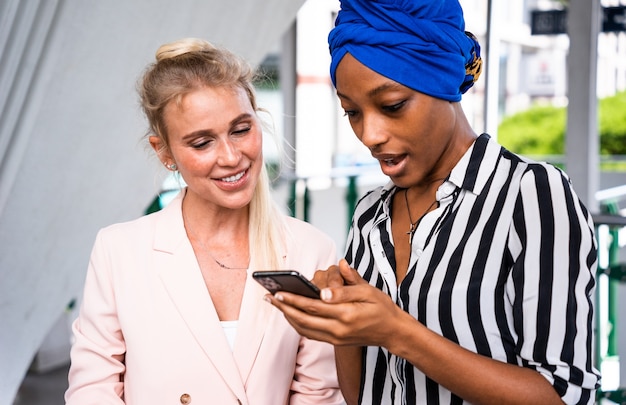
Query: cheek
{"x": 357, "y": 129}
{"x": 195, "y": 162}
{"x": 254, "y": 147}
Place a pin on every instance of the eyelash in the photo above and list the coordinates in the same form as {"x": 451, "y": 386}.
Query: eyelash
{"x": 242, "y": 131}
{"x": 204, "y": 143}
{"x": 394, "y": 107}
{"x": 201, "y": 145}
{"x": 389, "y": 109}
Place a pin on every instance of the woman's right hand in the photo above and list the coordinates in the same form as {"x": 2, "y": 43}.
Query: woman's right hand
{"x": 351, "y": 311}
{"x": 333, "y": 277}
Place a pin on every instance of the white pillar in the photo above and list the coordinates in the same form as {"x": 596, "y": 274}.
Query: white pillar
{"x": 582, "y": 144}
{"x": 492, "y": 68}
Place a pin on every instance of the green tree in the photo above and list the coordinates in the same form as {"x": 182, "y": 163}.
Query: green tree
{"x": 612, "y": 113}
{"x": 540, "y": 130}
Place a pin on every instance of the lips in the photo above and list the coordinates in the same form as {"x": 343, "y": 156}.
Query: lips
{"x": 232, "y": 182}
{"x": 392, "y": 161}
{"x": 234, "y": 178}
{"x": 391, "y": 164}
{"x": 389, "y": 159}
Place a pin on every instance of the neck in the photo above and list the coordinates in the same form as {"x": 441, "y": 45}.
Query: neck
{"x": 204, "y": 220}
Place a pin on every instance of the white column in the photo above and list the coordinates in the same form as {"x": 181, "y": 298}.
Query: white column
{"x": 581, "y": 140}
{"x": 492, "y": 68}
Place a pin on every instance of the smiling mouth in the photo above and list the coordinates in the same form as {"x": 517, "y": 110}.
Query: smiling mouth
{"x": 232, "y": 179}
{"x": 392, "y": 161}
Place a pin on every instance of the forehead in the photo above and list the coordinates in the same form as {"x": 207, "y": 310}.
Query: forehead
{"x": 206, "y": 108}
{"x": 221, "y": 95}
{"x": 208, "y": 100}
{"x": 353, "y": 77}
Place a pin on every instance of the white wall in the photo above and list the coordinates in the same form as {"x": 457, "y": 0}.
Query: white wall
{"x": 71, "y": 148}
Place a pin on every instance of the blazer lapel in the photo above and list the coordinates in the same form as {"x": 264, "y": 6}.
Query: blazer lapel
{"x": 255, "y": 317}
{"x": 179, "y": 271}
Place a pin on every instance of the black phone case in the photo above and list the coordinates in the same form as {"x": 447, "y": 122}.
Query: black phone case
{"x": 289, "y": 281}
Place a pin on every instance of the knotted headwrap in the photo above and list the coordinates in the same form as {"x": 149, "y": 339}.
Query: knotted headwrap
{"x": 421, "y": 44}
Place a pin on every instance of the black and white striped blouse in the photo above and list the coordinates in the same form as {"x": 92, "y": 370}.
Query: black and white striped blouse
{"x": 504, "y": 267}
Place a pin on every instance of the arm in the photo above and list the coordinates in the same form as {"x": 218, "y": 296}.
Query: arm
{"x": 362, "y": 315}
{"x": 315, "y": 379}
{"x": 348, "y": 360}
{"x": 315, "y": 376}
{"x": 97, "y": 355}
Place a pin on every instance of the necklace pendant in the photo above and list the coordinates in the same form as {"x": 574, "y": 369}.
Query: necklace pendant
{"x": 410, "y": 233}
{"x": 222, "y": 265}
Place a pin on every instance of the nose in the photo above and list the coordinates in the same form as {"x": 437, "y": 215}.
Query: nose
{"x": 372, "y": 131}
{"x": 228, "y": 154}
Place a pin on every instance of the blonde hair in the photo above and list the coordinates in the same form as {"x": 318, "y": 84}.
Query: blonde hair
{"x": 188, "y": 64}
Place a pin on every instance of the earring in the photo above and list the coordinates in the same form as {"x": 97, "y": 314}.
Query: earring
{"x": 171, "y": 166}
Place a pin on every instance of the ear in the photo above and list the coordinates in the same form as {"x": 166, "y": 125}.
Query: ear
{"x": 159, "y": 148}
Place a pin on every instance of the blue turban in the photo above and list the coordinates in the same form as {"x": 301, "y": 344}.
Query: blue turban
{"x": 421, "y": 44}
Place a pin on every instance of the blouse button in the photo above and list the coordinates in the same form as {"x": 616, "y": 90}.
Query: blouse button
{"x": 185, "y": 399}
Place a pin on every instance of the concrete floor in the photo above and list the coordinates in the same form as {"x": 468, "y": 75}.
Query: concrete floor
{"x": 43, "y": 388}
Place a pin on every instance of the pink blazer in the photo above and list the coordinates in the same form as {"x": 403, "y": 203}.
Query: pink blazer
{"x": 147, "y": 332}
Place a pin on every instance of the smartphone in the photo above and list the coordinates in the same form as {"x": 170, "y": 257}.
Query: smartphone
{"x": 286, "y": 280}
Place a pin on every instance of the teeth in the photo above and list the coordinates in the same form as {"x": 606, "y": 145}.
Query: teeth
{"x": 233, "y": 178}
{"x": 389, "y": 161}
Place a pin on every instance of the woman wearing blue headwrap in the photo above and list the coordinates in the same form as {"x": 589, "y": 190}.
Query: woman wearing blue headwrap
{"x": 469, "y": 277}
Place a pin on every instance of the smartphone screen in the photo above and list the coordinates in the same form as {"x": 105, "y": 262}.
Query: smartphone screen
{"x": 286, "y": 280}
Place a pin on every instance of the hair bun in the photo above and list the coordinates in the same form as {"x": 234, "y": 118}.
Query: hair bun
{"x": 181, "y": 47}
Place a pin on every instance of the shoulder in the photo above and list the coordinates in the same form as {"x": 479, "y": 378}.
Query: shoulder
{"x": 130, "y": 229}
{"x": 545, "y": 177}
{"x": 142, "y": 230}
{"x": 308, "y": 248}
{"x": 165, "y": 219}
{"x": 533, "y": 168}
{"x": 532, "y": 176}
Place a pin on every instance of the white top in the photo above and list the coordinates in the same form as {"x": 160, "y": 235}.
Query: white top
{"x": 230, "y": 330}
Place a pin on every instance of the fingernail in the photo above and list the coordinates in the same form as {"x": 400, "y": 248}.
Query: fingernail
{"x": 278, "y": 296}
{"x": 267, "y": 298}
{"x": 326, "y": 294}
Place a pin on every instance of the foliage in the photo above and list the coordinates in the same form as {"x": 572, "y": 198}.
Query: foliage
{"x": 540, "y": 130}
{"x": 612, "y": 114}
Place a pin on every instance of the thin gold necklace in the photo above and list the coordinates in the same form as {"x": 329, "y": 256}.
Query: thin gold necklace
{"x": 222, "y": 265}
{"x": 413, "y": 226}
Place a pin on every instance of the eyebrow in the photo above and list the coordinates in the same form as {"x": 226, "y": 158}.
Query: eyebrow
{"x": 210, "y": 132}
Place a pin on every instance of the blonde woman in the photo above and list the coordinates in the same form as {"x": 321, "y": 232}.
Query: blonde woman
{"x": 170, "y": 313}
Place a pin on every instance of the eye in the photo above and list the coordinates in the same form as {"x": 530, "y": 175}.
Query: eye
{"x": 394, "y": 107}
{"x": 349, "y": 113}
{"x": 242, "y": 130}
{"x": 201, "y": 143}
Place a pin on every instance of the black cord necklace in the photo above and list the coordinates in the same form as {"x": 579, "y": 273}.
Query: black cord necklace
{"x": 413, "y": 226}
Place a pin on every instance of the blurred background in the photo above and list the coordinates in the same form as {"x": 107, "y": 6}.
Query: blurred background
{"x": 73, "y": 157}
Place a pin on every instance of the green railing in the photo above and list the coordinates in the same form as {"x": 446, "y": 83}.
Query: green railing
{"x": 299, "y": 200}
{"x": 615, "y": 272}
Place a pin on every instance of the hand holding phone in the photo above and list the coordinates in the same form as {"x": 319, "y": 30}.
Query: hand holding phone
{"x": 286, "y": 280}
